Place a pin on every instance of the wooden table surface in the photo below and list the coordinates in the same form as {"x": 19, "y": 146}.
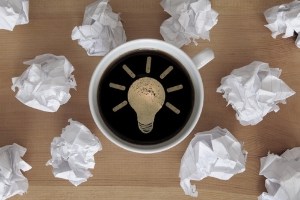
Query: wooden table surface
{"x": 238, "y": 39}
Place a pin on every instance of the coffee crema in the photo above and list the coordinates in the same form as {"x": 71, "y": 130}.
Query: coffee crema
{"x": 145, "y": 97}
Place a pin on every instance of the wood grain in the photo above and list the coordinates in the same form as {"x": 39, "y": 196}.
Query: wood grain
{"x": 238, "y": 39}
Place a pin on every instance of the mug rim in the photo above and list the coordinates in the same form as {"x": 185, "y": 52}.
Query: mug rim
{"x": 147, "y": 44}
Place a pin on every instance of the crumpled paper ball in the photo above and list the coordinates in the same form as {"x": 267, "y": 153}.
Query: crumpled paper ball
{"x": 73, "y": 153}
{"x": 101, "y": 30}
{"x": 12, "y": 181}
{"x": 253, "y": 91}
{"x": 46, "y": 83}
{"x": 283, "y": 175}
{"x": 12, "y": 13}
{"x": 190, "y": 20}
{"x": 215, "y": 153}
{"x": 285, "y": 19}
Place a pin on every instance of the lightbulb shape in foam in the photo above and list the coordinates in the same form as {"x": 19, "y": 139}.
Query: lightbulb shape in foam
{"x": 146, "y": 96}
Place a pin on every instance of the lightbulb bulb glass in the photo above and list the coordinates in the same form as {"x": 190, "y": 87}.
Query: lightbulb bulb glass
{"x": 146, "y": 96}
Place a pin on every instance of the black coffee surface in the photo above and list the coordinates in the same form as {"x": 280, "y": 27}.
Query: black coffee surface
{"x": 123, "y": 122}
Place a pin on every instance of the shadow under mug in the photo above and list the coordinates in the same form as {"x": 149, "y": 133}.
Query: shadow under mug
{"x": 191, "y": 67}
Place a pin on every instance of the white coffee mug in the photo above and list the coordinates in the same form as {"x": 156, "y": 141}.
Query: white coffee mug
{"x": 191, "y": 67}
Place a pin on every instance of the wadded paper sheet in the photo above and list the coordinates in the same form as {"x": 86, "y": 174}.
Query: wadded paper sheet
{"x": 215, "y": 153}
{"x": 101, "y": 30}
{"x": 12, "y": 13}
{"x": 12, "y": 181}
{"x": 73, "y": 153}
{"x": 285, "y": 19}
{"x": 283, "y": 175}
{"x": 46, "y": 83}
{"x": 189, "y": 21}
{"x": 253, "y": 91}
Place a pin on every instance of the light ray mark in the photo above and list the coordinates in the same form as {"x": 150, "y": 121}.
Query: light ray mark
{"x": 173, "y": 108}
{"x": 128, "y": 71}
{"x": 174, "y": 88}
{"x": 148, "y": 65}
{"x": 117, "y": 86}
{"x": 166, "y": 72}
{"x": 120, "y": 106}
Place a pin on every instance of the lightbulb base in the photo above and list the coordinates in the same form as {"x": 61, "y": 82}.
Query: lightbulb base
{"x": 145, "y": 128}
